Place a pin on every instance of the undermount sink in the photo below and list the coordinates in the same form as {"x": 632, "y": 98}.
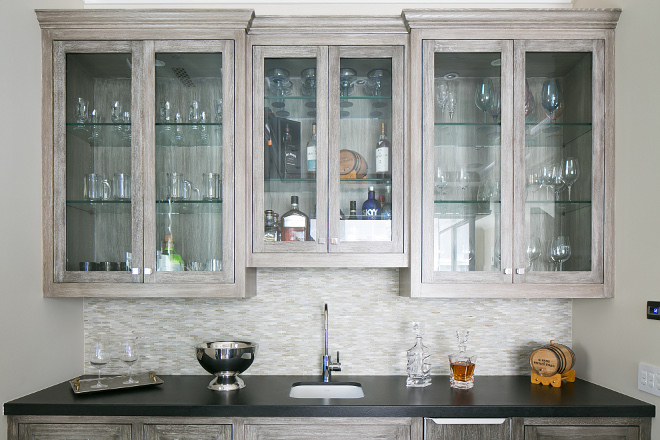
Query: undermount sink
{"x": 326, "y": 390}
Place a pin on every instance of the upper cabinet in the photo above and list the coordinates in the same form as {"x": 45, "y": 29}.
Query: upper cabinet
{"x": 328, "y": 144}
{"x": 515, "y": 193}
{"x": 140, "y": 152}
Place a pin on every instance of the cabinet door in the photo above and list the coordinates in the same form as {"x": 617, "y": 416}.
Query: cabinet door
{"x": 73, "y": 432}
{"x": 187, "y": 432}
{"x": 366, "y": 149}
{"x": 189, "y": 162}
{"x": 97, "y": 176}
{"x": 327, "y": 432}
{"x": 473, "y": 429}
{"x": 559, "y": 161}
{"x": 290, "y": 86}
{"x": 581, "y": 432}
{"x": 467, "y": 161}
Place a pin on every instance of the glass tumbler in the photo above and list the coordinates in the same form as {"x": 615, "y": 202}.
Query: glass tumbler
{"x": 211, "y": 186}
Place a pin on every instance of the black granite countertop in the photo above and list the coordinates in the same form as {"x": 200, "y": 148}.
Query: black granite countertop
{"x": 385, "y": 396}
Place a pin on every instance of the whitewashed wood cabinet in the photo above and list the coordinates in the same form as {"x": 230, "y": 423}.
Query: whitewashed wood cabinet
{"x": 515, "y": 193}
{"x": 347, "y": 78}
{"x": 141, "y": 150}
{"x": 476, "y": 429}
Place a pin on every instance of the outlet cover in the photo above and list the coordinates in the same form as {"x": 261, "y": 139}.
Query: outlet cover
{"x": 647, "y": 379}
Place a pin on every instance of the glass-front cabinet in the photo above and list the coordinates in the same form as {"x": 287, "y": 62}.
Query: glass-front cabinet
{"x": 143, "y": 158}
{"x": 514, "y": 158}
{"x": 328, "y": 151}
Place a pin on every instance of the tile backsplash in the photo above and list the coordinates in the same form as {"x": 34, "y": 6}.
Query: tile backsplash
{"x": 370, "y": 325}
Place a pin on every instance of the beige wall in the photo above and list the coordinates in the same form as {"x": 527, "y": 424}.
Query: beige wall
{"x": 612, "y": 336}
{"x": 41, "y": 339}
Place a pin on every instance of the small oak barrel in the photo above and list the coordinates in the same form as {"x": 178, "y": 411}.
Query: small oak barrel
{"x": 352, "y": 165}
{"x": 552, "y": 359}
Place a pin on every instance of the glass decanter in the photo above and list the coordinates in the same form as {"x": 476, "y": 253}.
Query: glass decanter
{"x": 419, "y": 366}
{"x": 462, "y": 364}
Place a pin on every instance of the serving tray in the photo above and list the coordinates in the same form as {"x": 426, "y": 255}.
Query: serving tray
{"x": 82, "y": 386}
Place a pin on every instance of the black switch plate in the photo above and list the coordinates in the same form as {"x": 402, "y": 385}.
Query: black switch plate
{"x": 652, "y": 309}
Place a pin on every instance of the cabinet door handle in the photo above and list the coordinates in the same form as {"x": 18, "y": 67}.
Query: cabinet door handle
{"x": 147, "y": 271}
{"x": 520, "y": 271}
{"x": 135, "y": 271}
{"x": 508, "y": 271}
{"x": 322, "y": 241}
{"x": 440, "y": 421}
{"x": 334, "y": 241}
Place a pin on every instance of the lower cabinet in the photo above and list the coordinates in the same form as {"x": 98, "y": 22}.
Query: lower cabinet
{"x": 330, "y": 428}
{"x": 474, "y": 429}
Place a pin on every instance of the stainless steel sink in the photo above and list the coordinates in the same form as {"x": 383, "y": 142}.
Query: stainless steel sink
{"x": 326, "y": 390}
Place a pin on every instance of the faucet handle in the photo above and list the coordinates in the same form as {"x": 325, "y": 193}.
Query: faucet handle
{"x": 336, "y": 366}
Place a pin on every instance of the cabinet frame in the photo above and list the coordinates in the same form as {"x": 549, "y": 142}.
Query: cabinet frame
{"x": 526, "y": 24}
{"x": 143, "y": 27}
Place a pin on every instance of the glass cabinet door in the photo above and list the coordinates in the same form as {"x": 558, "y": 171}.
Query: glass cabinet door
{"x": 97, "y": 226}
{"x": 559, "y": 214}
{"x": 366, "y": 149}
{"x": 190, "y": 207}
{"x": 290, "y": 86}
{"x": 467, "y": 175}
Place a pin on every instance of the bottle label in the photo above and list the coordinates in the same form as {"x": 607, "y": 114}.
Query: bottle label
{"x": 370, "y": 214}
{"x": 294, "y": 221}
{"x": 382, "y": 160}
{"x": 311, "y": 159}
{"x": 293, "y": 234}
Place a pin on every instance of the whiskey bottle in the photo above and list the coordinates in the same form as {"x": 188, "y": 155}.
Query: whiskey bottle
{"x": 295, "y": 224}
{"x": 383, "y": 156}
{"x": 371, "y": 207}
{"x": 386, "y": 205}
{"x": 311, "y": 154}
{"x": 352, "y": 213}
{"x": 291, "y": 155}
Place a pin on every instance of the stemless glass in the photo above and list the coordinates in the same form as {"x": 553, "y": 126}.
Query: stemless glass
{"x": 533, "y": 251}
{"x": 570, "y": 173}
{"x": 560, "y": 251}
{"x": 98, "y": 357}
{"x": 129, "y": 356}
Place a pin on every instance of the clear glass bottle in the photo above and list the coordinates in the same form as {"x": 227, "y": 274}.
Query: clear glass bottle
{"x": 311, "y": 154}
{"x": 371, "y": 207}
{"x": 295, "y": 224}
{"x": 386, "y": 206}
{"x": 418, "y": 362}
{"x": 352, "y": 213}
{"x": 462, "y": 364}
{"x": 383, "y": 155}
{"x": 171, "y": 260}
{"x": 270, "y": 233}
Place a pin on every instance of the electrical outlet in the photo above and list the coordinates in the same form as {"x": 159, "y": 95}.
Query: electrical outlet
{"x": 648, "y": 379}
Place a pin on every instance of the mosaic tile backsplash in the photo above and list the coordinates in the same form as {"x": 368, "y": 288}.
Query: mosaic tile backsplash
{"x": 370, "y": 325}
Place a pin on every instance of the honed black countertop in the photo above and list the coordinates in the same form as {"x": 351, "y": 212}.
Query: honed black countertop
{"x": 385, "y": 396}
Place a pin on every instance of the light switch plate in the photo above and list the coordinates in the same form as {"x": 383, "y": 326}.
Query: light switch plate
{"x": 648, "y": 379}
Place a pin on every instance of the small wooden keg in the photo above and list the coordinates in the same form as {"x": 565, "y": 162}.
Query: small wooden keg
{"x": 352, "y": 165}
{"x": 552, "y": 359}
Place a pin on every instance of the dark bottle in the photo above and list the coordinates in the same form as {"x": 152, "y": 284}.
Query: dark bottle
{"x": 291, "y": 154}
{"x": 386, "y": 205}
{"x": 352, "y": 213}
{"x": 383, "y": 156}
{"x": 295, "y": 224}
{"x": 371, "y": 207}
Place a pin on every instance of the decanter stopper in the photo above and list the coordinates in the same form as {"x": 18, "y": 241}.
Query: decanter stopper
{"x": 462, "y": 364}
{"x": 419, "y": 366}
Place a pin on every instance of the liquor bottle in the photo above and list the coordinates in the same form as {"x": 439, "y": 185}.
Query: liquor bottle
{"x": 171, "y": 260}
{"x": 386, "y": 206}
{"x": 291, "y": 155}
{"x": 371, "y": 207}
{"x": 311, "y": 154}
{"x": 295, "y": 224}
{"x": 352, "y": 213}
{"x": 270, "y": 230}
{"x": 383, "y": 156}
{"x": 461, "y": 364}
{"x": 418, "y": 362}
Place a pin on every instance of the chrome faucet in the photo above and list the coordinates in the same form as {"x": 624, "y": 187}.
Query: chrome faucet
{"x": 328, "y": 365}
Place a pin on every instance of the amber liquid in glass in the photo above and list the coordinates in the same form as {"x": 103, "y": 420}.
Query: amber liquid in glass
{"x": 462, "y": 371}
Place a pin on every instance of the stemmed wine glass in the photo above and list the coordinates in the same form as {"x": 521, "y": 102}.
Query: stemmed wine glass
{"x": 533, "y": 250}
{"x": 557, "y": 180}
{"x": 495, "y": 109}
{"x": 463, "y": 179}
{"x": 377, "y": 82}
{"x": 98, "y": 357}
{"x": 560, "y": 251}
{"x": 452, "y": 102}
{"x": 570, "y": 173}
{"x": 441, "y": 180}
{"x": 546, "y": 179}
{"x": 551, "y": 98}
{"x": 278, "y": 77}
{"x": 533, "y": 182}
{"x": 441, "y": 94}
{"x": 485, "y": 96}
{"x": 129, "y": 356}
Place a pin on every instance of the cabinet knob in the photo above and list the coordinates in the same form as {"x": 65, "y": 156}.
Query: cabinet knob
{"x": 520, "y": 271}
{"x": 322, "y": 241}
{"x": 147, "y": 271}
{"x": 508, "y": 271}
{"x": 334, "y": 241}
{"x": 135, "y": 271}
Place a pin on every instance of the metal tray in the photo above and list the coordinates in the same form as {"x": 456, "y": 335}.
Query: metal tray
{"x": 82, "y": 386}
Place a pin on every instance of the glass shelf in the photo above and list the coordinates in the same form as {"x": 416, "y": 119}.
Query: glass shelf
{"x": 463, "y": 208}
{"x": 103, "y": 134}
{"x": 560, "y": 206}
{"x": 100, "y": 206}
{"x": 351, "y": 107}
{"x": 189, "y": 206}
{"x": 559, "y": 134}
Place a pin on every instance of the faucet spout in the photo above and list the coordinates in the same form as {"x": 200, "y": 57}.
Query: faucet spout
{"x": 328, "y": 364}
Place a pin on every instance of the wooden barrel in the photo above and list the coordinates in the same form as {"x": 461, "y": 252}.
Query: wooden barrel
{"x": 352, "y": 165}
{"x": 552, "y": 359}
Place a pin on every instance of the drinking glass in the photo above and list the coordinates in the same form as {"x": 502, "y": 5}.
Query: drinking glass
{"x": 347, "y": 77}
{"x": 463, "y": 179}
{"x": 570, "y": 173}
{"x": 557, "y": 180}
{"x": 81, "y": 111}
{"x": 277, "y": 77}
{"x": 441, "y": 94}
{"x": 560, "y": 251}
{"x": 546, "y": 179}
{"x": 129, "y": 356}
{"x": 211, "y": 186}
{"x": 98, "y": 357}
{"x": 533, "y": 182}
{"x": 533, "y": 251}
{"x": 530, "y": 103}
{"x": 441, "y": 180}
{"x": 484, "y": 96}
{"x": 377, "y": 80}
{"x": 551, "y": 97}
{"x": 496, "y": 108}
{"x": 452, "y": 103}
